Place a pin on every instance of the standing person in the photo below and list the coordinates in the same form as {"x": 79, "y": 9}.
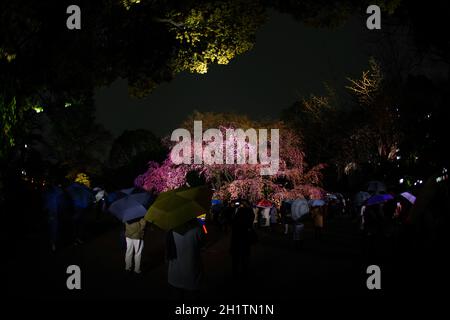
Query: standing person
{"x": 134, "y": 236}
{"x": 54, "y": 205}
{"x": 216, "y": 211}
{"x": 362, "y": 222}
{"x": 183, "y": 254}
{"x": 286, "y": 215}
{"x": 242, "y": 237}
{"x": 273, "y": 218}
{"x": 333, "y": 209}
{"x": 227, "y": 214}
{"x": 404, "y": 229}
{"x": 100, "y": 202}
{"x": 82, "y": 199}
{"x": 373, "y": 229}
{"x": 298, "y": 234}
{"x": 317, "y": 214}
{"x": 77, "y": 223}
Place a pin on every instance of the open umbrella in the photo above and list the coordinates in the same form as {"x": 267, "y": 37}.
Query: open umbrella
{"x": 131, "y": 207}
{"x": 317, "y": 203}
{"x": 264, "y": 203}
{"x": 379, "y": 198}
{"x": 376, "y": 187}
{"x": 176, "y": 207}
{"x": 111, "y": 197}
{"x": 332, "y": 196}
{"x": 299, "y": 208}
{"x": 119, "y": 194}
{"x": 55, "y": 200}
{"x": 128, "y": 191}
{"x": 360, "y": 197}
{"x": 408, "y": 196}
{"x": 82, "y": 196}
{"x": 191, "y": 224}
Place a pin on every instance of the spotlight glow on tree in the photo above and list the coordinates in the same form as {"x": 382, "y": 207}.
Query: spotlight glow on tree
{"x": 83, "y": 178}
{"x": 293, "y": 180}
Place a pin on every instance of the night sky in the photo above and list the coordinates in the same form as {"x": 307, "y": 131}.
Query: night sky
{"x": 289, "y": 60}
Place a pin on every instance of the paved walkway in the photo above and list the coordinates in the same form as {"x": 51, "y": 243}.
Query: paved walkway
{"x": 330, "y": 268}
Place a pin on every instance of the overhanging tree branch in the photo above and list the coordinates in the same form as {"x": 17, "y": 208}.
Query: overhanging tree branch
{"x": 169, "y": 21}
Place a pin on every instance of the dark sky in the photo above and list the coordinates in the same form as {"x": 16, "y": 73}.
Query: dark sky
{"x": 288, "y": 60}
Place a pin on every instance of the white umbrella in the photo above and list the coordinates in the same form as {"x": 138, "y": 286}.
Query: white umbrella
{"x": 408, "y": 196}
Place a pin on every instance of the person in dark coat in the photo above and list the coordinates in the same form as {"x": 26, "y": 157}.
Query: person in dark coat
{"x": 185, "y": 272}
{"x": 80, "y": 208}
{"x": 242, "y": 238}
{"x": 55, "y": 202}
{"x": 318, "y": 215}
{"x": 226, "y": 216}
{"x": 286, "y": 215}
{"x": 374, "y": 229}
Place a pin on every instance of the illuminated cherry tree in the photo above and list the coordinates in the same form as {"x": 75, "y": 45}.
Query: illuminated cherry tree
{"x": 294, "y": 178}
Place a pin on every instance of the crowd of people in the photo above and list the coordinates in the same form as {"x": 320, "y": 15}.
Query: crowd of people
{"x": 66, "y": 214}
{"x": 384, "y": 220}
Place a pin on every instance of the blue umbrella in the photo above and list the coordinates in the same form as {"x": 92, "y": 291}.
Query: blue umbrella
{"x": 116, "y": 195}
{"x": 55, "y": 200}
{"x": 408, "y": 196}
{"x": 131, "y": 206}
{"x": 299, "y": 208}
{"x": 317, "y": 203}
{"x": 379, "y": 198}
{"x": 82, "y": 196}
{"x": 128, "y": 191}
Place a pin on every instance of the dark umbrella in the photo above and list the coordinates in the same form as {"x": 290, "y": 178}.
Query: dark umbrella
{"x": 54, "y": 199}
{"x": 82, "y": 196}
{"x": 377, "y": 187}
{"x": 191, "y": 224}
{"x": 379, "y": 198}
{"x": 129, "y": 191}
{"x": 114, "y": 196}
{"x": 360, "y": 197}
{"x": 176, "y": 207}
{"x": 131, "y": 206}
